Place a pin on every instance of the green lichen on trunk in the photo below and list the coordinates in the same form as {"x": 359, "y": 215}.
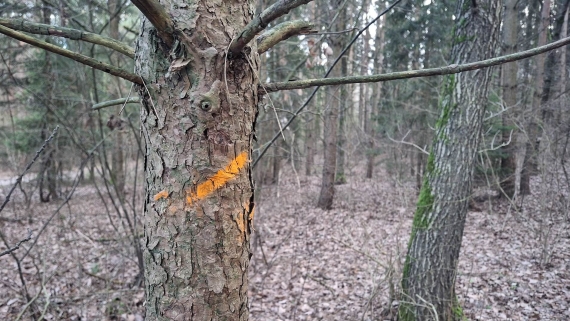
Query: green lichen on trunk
{"x": 426, "y": 199}
{"x": 446, "y": 105}
{"x": 458, "y": 310}
{"x": 421, "y": 222}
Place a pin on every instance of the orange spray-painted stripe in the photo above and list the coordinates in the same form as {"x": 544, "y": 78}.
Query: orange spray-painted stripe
{"x": 218, "y": 180}
{"x": 161, "y": 194}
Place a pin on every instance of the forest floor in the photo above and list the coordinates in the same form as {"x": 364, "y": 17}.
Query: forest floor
{"x": 307, "y": 264}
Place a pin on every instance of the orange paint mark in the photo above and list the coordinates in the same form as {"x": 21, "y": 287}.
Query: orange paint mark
{"x": 161, "y": 194}
{"x": 218, "y": 180}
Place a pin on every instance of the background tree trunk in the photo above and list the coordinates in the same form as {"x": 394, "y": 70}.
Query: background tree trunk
{"x": 118, "y": 155}
{"x": 198, "y": 115}
{"x": 340, "y": 176}
{"x": 509, "y": 84}
{"x": 428, "y": 280}
{"x": 373, "y": 104}
{"x": 330, "y": 122}
{"x": 527, "y": 158}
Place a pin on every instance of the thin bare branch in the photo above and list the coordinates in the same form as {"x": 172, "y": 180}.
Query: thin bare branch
{"x": 19, "y": 179}
{"x": 402, "y": 141}
{"x": 260, "y": 22}
{"x": 308, "y": 100}
{"x": 17, "y": 246}
{"x": 159, "y": 18}
{"x": 281, "y": 32}
{"x": 336, "y": 32}
{"x": 120, "y": 101}
{"x": 73, "y": 55}
{"x": 74, "y": 34}
{"x": 76, "y": 181}
{"x": 451, "y": 69}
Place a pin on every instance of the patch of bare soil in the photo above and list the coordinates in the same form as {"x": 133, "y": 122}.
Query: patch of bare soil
{"x": 345, "y": 264}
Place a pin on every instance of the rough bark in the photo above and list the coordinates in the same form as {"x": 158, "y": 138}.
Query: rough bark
{"x": 428, "y": 281}
{"x": 198, "y": 115}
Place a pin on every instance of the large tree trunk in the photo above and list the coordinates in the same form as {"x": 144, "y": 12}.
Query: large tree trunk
{"x": 198, "y": 114}
{"x": 428, "y": 281}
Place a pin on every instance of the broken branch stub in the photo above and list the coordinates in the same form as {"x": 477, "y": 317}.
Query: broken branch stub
{"x": 281, "y": 32}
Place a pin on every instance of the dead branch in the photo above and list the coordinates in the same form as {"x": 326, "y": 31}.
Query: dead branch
{"x": 260, "y": 22}
{"x": 308, "y": 100}
{"x": 281, "y": 32}
{"x": 74, "y": 34}
{"x": 451, "y": 69}
{"x": 73, "y": 55}
{"x": 159, "y": 18}
{"x": 19, "y": 179}
{"x": 120, "y": 101}
{"x": 17, "y": 246}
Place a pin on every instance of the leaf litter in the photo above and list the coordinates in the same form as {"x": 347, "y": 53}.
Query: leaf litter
{"x": 307, "y": 263}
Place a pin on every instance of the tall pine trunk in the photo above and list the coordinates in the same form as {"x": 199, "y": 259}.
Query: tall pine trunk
{"x": 198, "y": 113}
{"x": 428, "y": 281}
